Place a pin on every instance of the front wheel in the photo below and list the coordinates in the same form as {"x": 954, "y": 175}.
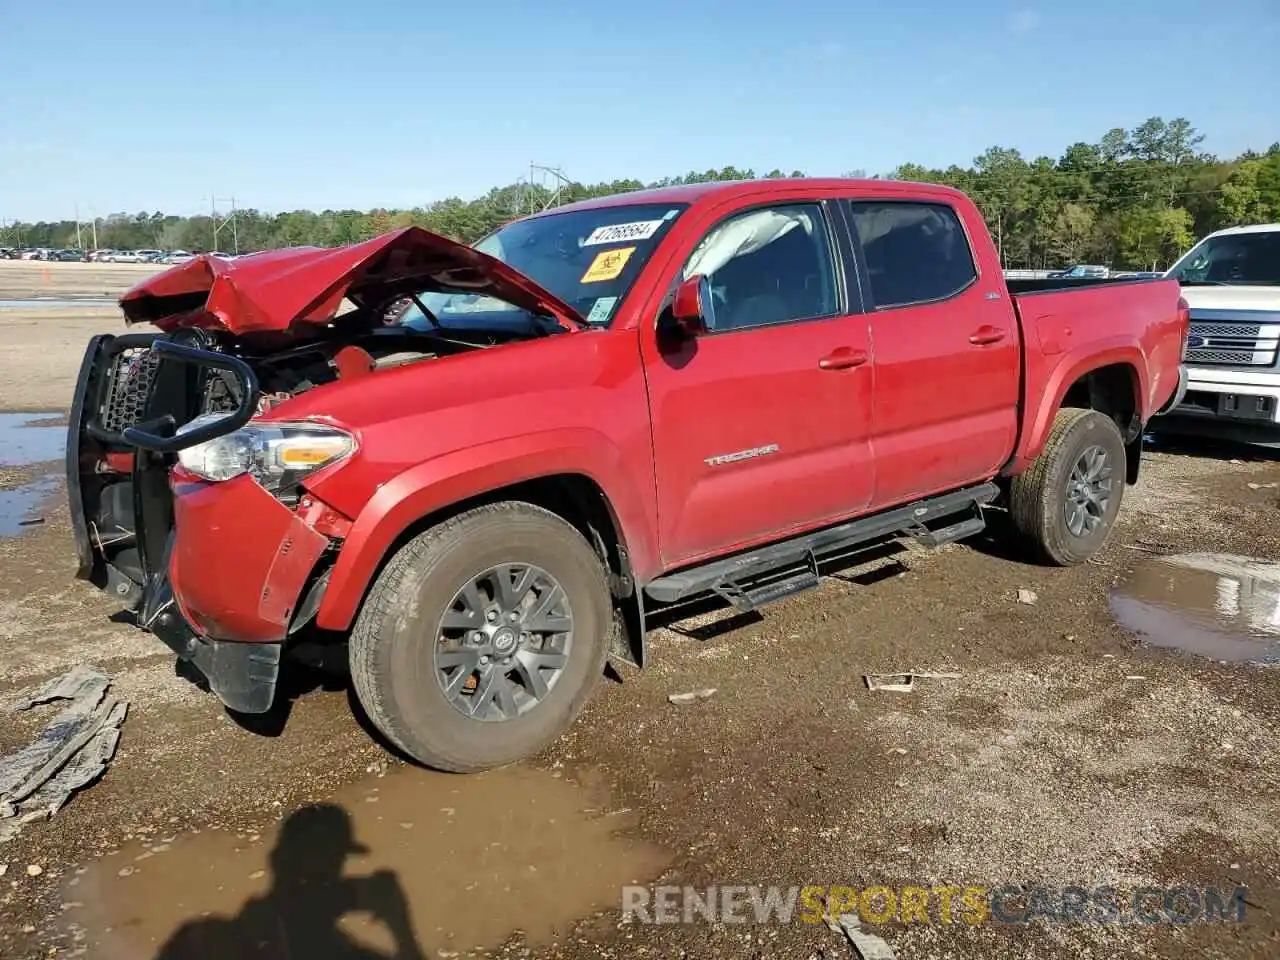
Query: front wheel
{"x": 483, "y": 637}
{"x": 1066, "y": 504}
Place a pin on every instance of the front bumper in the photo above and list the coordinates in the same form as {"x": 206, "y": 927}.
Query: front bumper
{"x": 240, "y": 559}
{"x": 236, "y": 566}
{"x": 1244, "y": 408}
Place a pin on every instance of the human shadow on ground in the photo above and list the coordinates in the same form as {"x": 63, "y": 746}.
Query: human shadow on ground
{"x": 299, "y": 915}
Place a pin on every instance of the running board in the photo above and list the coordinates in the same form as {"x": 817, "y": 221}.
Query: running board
{"x": 781, "y": 569}
{"x": 748, "y": 593}
{"x": 949, "y": 534}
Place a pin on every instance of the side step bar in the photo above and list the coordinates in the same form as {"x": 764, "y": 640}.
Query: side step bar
{"x": 779, "y": 570}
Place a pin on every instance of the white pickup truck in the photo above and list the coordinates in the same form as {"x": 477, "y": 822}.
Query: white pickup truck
{"x": 1231, "y": 279}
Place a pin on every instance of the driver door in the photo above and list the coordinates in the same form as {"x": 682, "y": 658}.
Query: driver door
{"x": 761, "y": 425}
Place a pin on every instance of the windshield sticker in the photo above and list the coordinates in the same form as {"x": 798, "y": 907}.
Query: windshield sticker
{"x": 622, "y": 232}
{"x": 607, "y": 265}
{"x": 601, "y": 309}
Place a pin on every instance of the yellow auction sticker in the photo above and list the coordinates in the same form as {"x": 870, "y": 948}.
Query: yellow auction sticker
{"x": 607, "y": 265}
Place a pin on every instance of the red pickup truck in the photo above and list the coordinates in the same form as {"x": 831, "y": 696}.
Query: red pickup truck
{"x": 487, "y": 466}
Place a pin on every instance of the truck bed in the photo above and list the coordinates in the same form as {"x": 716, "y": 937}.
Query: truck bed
{"x": 1134, "y": 327}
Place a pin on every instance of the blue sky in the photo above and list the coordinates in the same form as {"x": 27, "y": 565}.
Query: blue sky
{"x": 125, "y": 105}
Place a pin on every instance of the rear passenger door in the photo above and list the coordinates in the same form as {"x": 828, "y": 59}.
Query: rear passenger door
{"x": 947, "y": 369}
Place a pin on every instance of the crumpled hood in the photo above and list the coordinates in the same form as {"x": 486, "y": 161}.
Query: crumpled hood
{"x": 275, "y": 290}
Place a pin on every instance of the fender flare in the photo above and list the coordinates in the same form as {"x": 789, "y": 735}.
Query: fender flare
{"x": 462, "y": 475}
{"x": 1115, "y": 350}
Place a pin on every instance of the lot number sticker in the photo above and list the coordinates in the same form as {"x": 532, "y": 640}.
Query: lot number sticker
{"x": 623, "y": 232}
{"x": 607, "y": 265}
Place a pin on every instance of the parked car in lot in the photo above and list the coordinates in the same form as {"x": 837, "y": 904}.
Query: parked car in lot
{"x": 177, "y": 256}
{"x": 1231, "y": 279}
{"x": 150, "y": 256}
{"x": 595, "y": 413}
{"x": 1082, "y": 271}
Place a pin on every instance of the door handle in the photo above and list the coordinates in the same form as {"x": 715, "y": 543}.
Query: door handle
{"x": 986, "y": 334}
{"x": 843, "y": 358}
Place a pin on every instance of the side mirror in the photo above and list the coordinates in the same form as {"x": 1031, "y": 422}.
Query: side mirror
{"x": 693, "y": 310}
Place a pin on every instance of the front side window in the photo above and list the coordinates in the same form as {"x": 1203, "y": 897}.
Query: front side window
{"x": 914, "y": 252}
{"x": 587, "y": 258}
{"x": 1236, "y": 258}
{"x": 767, "y": 265}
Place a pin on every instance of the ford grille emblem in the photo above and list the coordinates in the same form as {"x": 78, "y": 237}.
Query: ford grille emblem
{"x": 1195, "y": 341}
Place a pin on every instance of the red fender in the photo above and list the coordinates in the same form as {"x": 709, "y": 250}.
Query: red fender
{"x": 464, "y": 474}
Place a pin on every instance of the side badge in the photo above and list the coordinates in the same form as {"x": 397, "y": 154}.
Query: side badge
{"x": 741, "y": 455}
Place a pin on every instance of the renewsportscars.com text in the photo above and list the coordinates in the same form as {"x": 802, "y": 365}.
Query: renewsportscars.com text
{"x": 972, "y": 905}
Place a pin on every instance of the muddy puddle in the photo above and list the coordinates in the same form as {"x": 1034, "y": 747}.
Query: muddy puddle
{"x": 1214, "y": 605}
{"x": 20, "y": 506}
{"x": 411, "y": 864}
{"x": 26, "y": 439}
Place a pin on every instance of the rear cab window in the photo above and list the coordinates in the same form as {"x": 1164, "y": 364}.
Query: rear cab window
{"x": 914, "y": 252}
{"x": 588, "y": 258}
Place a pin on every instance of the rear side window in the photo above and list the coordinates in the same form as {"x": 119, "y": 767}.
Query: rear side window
{"x": 915, "y": 252}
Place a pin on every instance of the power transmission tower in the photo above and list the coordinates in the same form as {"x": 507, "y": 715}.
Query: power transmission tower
{"x": 558, "y": 178}
{"x": 220, "y": 222}
{"x": 94, "y": 229}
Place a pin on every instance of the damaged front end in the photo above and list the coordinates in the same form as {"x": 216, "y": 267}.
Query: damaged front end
{"x": 216, "y": 571}
{"x": 187, "y": 495}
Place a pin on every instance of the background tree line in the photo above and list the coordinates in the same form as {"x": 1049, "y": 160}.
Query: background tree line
{"x": 1136, "y": 199}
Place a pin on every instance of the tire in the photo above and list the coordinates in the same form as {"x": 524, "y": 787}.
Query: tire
{"x": 393, "y": 648}
{"x": 1038, "y": 498}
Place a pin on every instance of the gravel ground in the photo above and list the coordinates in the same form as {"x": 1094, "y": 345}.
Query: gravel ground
{"x": 1045, "y": 762}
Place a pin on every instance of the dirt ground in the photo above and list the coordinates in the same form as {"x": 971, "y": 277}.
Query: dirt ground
{"x": 20, "y": 279}
{"x": 41, "y": 344}
{"x": 1062, "y": 755}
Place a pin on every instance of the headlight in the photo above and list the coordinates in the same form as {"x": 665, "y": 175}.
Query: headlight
{"x": 277, "y": 455}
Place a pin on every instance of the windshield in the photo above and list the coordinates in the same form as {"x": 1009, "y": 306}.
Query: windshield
{"x": 587, "y": 258}
{"x": 1236, "y": 258}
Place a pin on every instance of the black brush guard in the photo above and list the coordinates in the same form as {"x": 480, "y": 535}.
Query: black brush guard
{"x": 132, "y": 395}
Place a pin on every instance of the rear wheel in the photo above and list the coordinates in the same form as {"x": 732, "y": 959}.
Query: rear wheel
{"x": 483, "y": 637}
{"x": 1066, "y": 504}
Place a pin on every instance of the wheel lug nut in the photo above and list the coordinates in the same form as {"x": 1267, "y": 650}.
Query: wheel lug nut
{"x": 491, "y": 616}
{"x": 477, "y": 637}
{"x": 484, "y": 659}
{"x": 513, "y": 616}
